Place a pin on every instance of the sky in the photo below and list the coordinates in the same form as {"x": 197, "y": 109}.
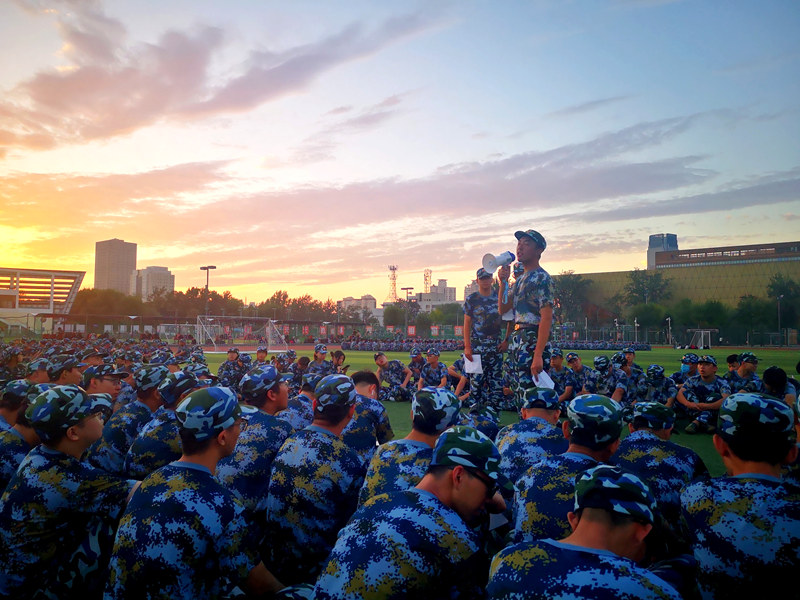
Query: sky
{"x": 307, "y": 145}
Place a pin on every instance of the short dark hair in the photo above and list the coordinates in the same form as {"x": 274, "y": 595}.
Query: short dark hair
{"x": 419, "y": 423}
{"x": 732, "y": 358}
{"x": 339, "y": 354}
{"x": 365, "y": 376}
{"x": 602, "y": 515}
{"x": 643, "y": 423}
{"x": 581, "y": 437}
{"x": 759, "y": 446}
{"x": 775, "y": 378}
{"x": 333, "y": 414}
{"x": 303, "y": 361}
{"x": 190, "y": 445}
{"x": 21, "y": 418}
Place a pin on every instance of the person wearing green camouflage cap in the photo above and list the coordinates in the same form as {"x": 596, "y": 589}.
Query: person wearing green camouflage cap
{"x": 702, "y": 395}
{"x": 666, "y": 467}
{"x": 65, "y": 369}
{"x": 746, "y": 524}
{"x": 400, "y": 464}
{"x": 184, "y": 534}
{"x": 37, "y": 371}
{"x": 536, "y": 436}
{"x": 103, "y": 379}
{"x": 57, "y": 513}
{"x": 419, "y": 542}
{"x": 314, "y": 486}
{"x": 299, "y": 411}
{"x": 744, "y": 377}
{"x": 12, "y": 396}
{"x": 531, "y": 298}
{"x": 109, "y": 452}
{"x": 611, "y": 517}
{"x": 541, "y": 501}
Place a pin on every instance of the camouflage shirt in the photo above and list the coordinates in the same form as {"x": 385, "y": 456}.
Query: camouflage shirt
{"x": 45, "y": 512}
{"x": 108, "y": 453}
{"x": 747, "y": 535}
{"x": 369, "y": 427}
{"x": 606, "y": 383}
{"x": 545, "y": 494}
{"x": 546, "y": 569}
{"x": 127, "y": 394}
{"x": 484, "y": 314}
{"x": 416, "y": 368}
{"x": 246, "y": 472}
{"x": 158, "y": 444}
{"x": 321, "y": 368}
{"x": 432, "y": 376}
{"x": 393, "y": 374}
{"x": 696, "y": 390}
{"x": 298, "y": 413}
{"x": 312, "y": 493}
{"x": 396, "y": 466}
{"x": 581, "y": 377}
{"x": 659, "y": 390}
{"x": 531, "y": 292}
{"x": 404, "y": 545}
{"x": 562, "y": 380}
{"x": 13, "y": 448}
{"x": 183, "y": 535}
{"x": 526, "y": 443}
{"x": 738, "y": 383}
{"x": 230, "y": 372}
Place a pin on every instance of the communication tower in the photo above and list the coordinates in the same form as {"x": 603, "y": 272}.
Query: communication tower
{"x": 427, "y": 281}
{"x": 392, "y": 297}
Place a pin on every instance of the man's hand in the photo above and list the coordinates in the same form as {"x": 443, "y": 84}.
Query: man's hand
{"x": 537, "y": 366}
{"x": 468, "y": 353}
{"x": 502, "y": 346}
{"x": 504, "y": 272}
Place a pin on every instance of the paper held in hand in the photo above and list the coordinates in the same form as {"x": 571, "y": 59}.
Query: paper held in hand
{"x": 473, "y": 366}
{"x": 543, "y": 380}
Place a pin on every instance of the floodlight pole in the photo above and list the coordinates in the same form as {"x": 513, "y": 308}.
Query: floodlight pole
{"x": 207, "y": 269}
{"x": 780, "y": 336}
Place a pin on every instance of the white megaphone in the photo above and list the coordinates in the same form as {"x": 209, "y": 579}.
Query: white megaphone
{"x": 492, "y": 262}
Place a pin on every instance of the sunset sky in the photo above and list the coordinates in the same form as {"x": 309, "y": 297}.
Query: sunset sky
{"x": 305, "y": 146}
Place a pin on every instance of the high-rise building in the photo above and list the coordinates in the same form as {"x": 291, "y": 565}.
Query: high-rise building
{"x": 144, "y": 282}
{"x": 114, "y": 261}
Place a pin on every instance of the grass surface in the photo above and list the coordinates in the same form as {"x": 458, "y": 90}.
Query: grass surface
{"x": 399, "y": 413}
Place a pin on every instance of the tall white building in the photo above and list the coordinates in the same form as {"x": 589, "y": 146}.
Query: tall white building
{"x": 439, "y": 294}
{"x": 367, "y": 302}
{"x": 143, "y": 282}
{"x": 114, "y": 261}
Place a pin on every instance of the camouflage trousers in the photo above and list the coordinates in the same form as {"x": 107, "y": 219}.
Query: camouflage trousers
{"x": 487, "y": 387}
{"x": 521, "y": 351}
{"x": 395, "y": 393}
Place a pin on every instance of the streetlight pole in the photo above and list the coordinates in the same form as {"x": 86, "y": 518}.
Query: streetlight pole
{"x": 207, "y": 269}
{"x": 635, "y": 330}
{"x": 407, "y": 290}
{"x": 780, "y": 336}
{"x": 669, "y": 330}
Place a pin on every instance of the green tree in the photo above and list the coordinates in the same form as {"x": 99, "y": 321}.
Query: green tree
{"x": 785, "y": 291}
{"x": 712, "y": 313}
{"x": 447, "y": 314}
{"x": 647, "y": 315}
{"x": 423, "y": 323}
{"x": 394, "y": 315}
{"x": 751, "y": 313}
{"x": 571, "y": 294}
{"x": 644, "y": 287}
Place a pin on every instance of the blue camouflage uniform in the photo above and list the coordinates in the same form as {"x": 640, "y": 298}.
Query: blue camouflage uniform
{"x": 313, "y": 491}
{"x": 298, "y": 412}
{"x": 659, "y": 390}
{"x": 547, "y": 568}
{"x": 322, "y": 368}
{"x": 738, "y": 383}
{"x": 230, "y": 372}
{"x": 531, "y": 292}
{"x": 157, "y": 444}
{"x": 404, "y": 545}
{"x": 396, "y": 466}
{"x": 108, "y": 453}
{"x": 484, "y": 418}
{"x": 369, "y": 427}
{"x": 432, "y": 376}
{"x": 580, "y": 377}
{"x": 127, "y": 394}
{"x": 485, "y": 337}
{"x": 183, "y": 535}
{"x": 526, "y": 443}
{"x": 562, "y": 380}
{"x": 606, "y": 382}
{"x": 696, "y": 390}
{"x": 394, "y": 375}
{"x": 13, "y": 449}
{"x": 54, "y": 513}
{"x": 415, "y": 367}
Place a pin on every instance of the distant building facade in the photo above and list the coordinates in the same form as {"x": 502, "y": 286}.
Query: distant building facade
{"x": 114, "y": 261}
{"x": 439, "y": 294}
{"x": 144, "y": 282}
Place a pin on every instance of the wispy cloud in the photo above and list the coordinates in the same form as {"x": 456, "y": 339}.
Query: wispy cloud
{"x": 585, "y": 107}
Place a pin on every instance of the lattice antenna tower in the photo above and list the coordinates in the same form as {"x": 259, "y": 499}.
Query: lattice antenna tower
{"x": 426, "y": 285}
{"x": 392, "y": 297}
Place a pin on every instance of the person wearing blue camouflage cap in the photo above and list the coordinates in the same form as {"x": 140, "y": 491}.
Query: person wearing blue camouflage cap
{"x": 247, "y": 470}
{"x": 485, "y": 335}
{"x": 183, "y": 534}
{"x": 103, "y": 379}
{"x": 562, "y": 376}
{"x": 297, "y": 370}
{"x": 610, "y": 519}
{"x": 434, "y": 372}
{"x": 688, "y": 368}
{"x": 159, "y": 443}
{"x": 702, "y": 395}
{"x": 580, "y": 372}
{"x": 37, "y": 371}
{"x": 299, "y": 411}
{"x": 658, "y": 387}
{"x": 20, "y": 438}
{"x": 13, "y": 395}
{"x": 319, "y": 365}
{"x": 65, "y": 369}
{"x": 57, "y": 513}
{"x": 400, "y": 464}
{"x": 607, "y": 379}
{"x": 419, "y": 543}
{"x": 531, "y": 298}
{"x": 666, "y": 467}
{"x": 415, "y": 365}
{"x": 314, "y": 486}
{"x": 370, "y": 425}
{"x": 537, "y": 434}
{"x": 542, "y": 500}
{"x": 232, "y": 370}
{"x": 396, "y": 375}
{"x": 635, "y": 380}
{"x": 746, "y": 524}
{"x": 262, "y": 353}
{"x": 744, "y": 377}
{"x": 483, "y": 417}
{"x": 108, "y": 453}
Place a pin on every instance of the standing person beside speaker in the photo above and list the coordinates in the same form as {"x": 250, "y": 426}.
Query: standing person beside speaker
{"x": 531, "y": 297}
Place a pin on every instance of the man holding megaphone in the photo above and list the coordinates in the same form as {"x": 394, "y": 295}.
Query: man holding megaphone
{"x": 531, "y": 297}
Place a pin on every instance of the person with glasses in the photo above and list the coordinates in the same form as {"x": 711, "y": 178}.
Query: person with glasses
{"x": 58, "y": 514}
{"x": 103, "y": 379}
{"x": 420, "y": 542}
{"x": 744, "y": 377}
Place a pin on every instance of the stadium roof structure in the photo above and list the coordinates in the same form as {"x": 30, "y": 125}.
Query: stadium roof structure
{"x": 39, "y": 290}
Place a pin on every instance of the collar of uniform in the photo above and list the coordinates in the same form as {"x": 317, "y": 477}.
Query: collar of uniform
{"x": 319, "y": 429}
{"x": 762, "y": 476}
{"x": 577, "y": 548}
{"x": 190, "y": 465}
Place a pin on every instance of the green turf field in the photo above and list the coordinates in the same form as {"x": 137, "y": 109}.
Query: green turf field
{"x": 399, "y": 414}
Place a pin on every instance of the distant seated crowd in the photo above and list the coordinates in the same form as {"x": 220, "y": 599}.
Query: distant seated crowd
{"x": 129, "y": 470}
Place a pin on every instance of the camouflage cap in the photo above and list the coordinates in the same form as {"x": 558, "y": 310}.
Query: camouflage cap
{"x": 291, "y": 353}
{"x": 97, "y": 371}
{"x": 594, "y": 420}
{"x": 601, "y": 363}
{"x": 571, "y": 356}
{"x": 655, "y": 371}
{"x": 206, "y": 412}
{"x": 103, "y": 403}
{"x": 746, "y": 413}
{"x": 15, "y": 392}
{"x": 335, "y": 390}
{"x": 173, "y": 360}
{"x": 198, "y": 357}
{"x": 468, "y": 447}
{"x": 259, "y": 380}
{"x": 233, "y": 349}
{"x": 199, "y": 370}
{"x": 414, "y": 352}
{"x": 482, "y": 273}
{"x": 175, "y": 385}
{"x": 432, "y": 352}
{"x": 436, "y": 407}
{"x": 57, "y": 409}
{"x": 657, "y": 415}
{"x": 629, "y": 350}
{"x": 245, "y": 358}
{"x": 262, "y": 349}
{"x": 311, "y": 379}
{"x": 320, "y": 349}
{"x": 529, "y": 396}
{"x": 610, "y": 488}
{"x": 38, "y": 364}
{"x": 89, "y": 352}
{"x": 150, "y": 377}
{"x": 707, "y": 358}
{"x": 556, "y": 352}
{"x": 618, "y": 359}
{"x": 748, "y": 357}
{"x": 62, "y": 362}
{"x": 690, "y": 358}
{"x": 36, "y": 389}
{"x": 537, "y": 237}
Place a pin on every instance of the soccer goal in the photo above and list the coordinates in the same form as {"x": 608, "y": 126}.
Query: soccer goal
{"x": 222, "y": 330}
{"x": 701, "y": 338}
